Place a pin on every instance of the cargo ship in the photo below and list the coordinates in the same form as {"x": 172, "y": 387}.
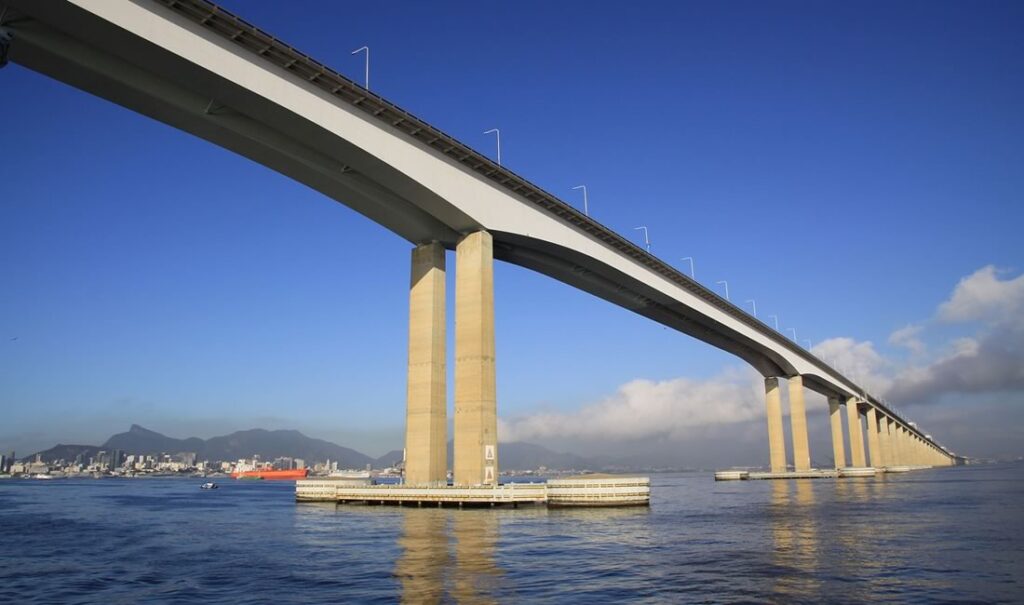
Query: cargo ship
{"x": 271, "y": 474}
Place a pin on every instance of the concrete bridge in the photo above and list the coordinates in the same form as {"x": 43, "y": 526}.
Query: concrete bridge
{"x": 201, "y": 69}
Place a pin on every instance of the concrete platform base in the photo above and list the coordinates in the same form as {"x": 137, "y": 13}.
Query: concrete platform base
{"x": 897, "y": 469}
{"x": 588, "y": 490}
{"x": 731, "y": 475}
{"x": 811, "y": 474}
{"x": 857, "y": 471}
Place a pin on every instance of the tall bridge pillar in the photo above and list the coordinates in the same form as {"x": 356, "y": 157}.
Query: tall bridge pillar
{"x": 426, "y": 394}
{"x": 836, "y": 419}
{"x": 798, "y": 425}
{"x": 884, "y": 443}
{"x": 901, "y": 445}
{"x": 776, "y": 440}
{"x": 874, "y": 447}
{"x": 476, "y": 414}
{"x": 856, "y": 434}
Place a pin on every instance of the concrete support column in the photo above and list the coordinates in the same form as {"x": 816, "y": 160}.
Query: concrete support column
{"x": 884, "y": 443}
{"x": 798, "y": 425}
{"x": 838, "y": 450}
{"x": 776, "y": 440}
{"x": 901, "y": 446}
{"x": 476, "y": 410}
{"x": 856, "y": 435}
{"x": 874, "y": 447}
{"x": 426, "y": 448}
{"x": 894, "y": 441}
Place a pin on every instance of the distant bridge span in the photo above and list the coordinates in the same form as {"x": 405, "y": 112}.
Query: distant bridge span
{"x": 199, "y": 68}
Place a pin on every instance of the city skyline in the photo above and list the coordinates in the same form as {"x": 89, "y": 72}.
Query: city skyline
{"x": 218, "y": 299}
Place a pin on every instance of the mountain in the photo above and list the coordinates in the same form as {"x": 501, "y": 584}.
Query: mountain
{"x": 289, "y": 443}
{"x": 389, "y": 459}
{"x": 240, "y": 444}
{"x": 272, "y": 444}
{"x": 65, "y": 452}
{"x": 139, "y": 440}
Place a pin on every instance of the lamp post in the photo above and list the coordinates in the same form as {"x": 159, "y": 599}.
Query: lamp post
{"x": 497, "y": 134}
{"x": 366, "y": 81}
{"x": 775, "y": 320}
{"x": 726, "y": 284}
{"x": 793, "y": 330}
{"x": 693, "y": 275}
{"x": 647, "y": 240}
{"x": 753, "y": 303}
{"x": 586, "y": 210}
{"x": 808, "y": 343}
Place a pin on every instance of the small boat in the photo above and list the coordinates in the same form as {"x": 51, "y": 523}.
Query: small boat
{"x": 208, "y": 485}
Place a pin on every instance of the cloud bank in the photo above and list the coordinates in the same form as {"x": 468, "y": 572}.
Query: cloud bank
{"x": 990, "y": 360}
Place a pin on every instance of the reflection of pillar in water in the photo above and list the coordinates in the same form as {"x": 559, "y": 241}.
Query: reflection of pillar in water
{"x": 424, "y": 559}
{"x": 477, "y": 576}
{"x": 795, "y": 537}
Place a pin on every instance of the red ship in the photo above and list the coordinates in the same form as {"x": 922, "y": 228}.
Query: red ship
{"x": 271, "y": 474}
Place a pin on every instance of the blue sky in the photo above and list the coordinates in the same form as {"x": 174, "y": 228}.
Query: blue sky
{"x": 845, "y": 165}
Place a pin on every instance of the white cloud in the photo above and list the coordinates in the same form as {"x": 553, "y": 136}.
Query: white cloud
{"x": 645, "y": 408}
{"x": 907, "y": 337}
{"x": 982, "y": 296}
{"x": 857, "y": 360}
{"x": 991, "y": 361}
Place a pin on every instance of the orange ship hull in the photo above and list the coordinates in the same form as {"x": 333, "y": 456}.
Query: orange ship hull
{"x": 270, "y": 474}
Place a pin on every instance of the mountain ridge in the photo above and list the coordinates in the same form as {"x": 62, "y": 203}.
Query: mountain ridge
{"x": 270, "y": 444}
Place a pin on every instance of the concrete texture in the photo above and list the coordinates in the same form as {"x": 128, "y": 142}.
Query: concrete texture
{"x": 776, "y": 439}
{"x": 874, "y": 447}
{"x": 836, "y": 420}
{"x": 476, "y": 413}
{"x": 426, "y": 412}
{"x": 798, "y": 425}
{"x": 884, "y": 442}
{"x": 856, "y": 434}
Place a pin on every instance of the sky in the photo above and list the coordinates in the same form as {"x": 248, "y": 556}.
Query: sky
{"x": 854, "y": 168}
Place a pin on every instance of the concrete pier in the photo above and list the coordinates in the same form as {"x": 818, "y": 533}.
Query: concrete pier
{"x": 776, "y": 440}
{"x": 426, "y": 447}
{"x": 856, "y": 434}
{"x": 476, "y": 414}
{"x": 798, "y": 425}
{"x": 586, "y": 490}
{"x": 836, "y": 421}
{"x": 874, "y": 447}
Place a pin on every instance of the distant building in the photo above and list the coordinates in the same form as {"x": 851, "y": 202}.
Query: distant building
{"x": 3, "y": 464}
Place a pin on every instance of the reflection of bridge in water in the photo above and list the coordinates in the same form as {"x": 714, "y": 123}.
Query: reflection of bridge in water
{"x": 199, "y": 68}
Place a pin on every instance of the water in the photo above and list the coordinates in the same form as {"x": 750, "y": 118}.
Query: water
{"x": 950, "y": 535}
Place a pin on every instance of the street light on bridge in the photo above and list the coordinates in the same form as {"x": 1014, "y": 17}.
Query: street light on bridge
{"x": 647, "y": 240}
{"x": 693, "y": 275}
{"x": 726, "y": 284}
{"x": 808, "y": 343}
{"x": 793, "y": 330}
{"x": 497, "y": 133}
{"x": 775, "y": 320}
{"x": 366, "y": 81}
{"x": 586, "y": 210}
{"x": 753, "y": 303}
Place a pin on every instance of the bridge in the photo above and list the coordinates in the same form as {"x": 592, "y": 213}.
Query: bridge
{"x": 206, "y": 71}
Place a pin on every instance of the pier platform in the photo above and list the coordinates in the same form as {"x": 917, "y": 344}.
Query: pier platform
{"x": 588, "y": 490}
{"x": 843, "y": 473}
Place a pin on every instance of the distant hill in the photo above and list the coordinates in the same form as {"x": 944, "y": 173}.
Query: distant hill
{"x": 240, "y": 444}
{"x": 273, "y": 444}
{"x": 289, "y": 443}
{"x": 65, "y": 452}
{"x": 140, "y": 440}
